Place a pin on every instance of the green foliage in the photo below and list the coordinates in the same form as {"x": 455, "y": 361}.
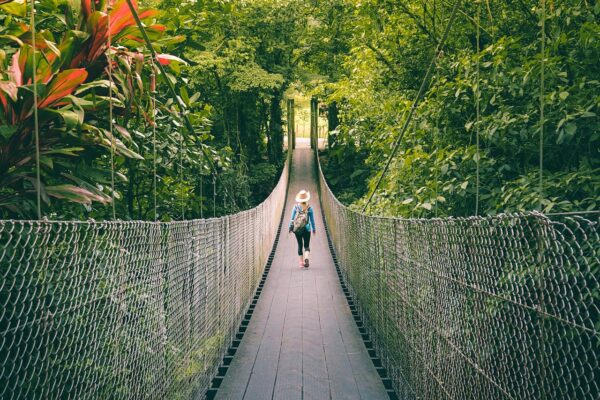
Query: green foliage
{"x": 384, "y": 56}
{"x": 70, "y": 54}
{"x": 230, "y": 82}
{"x": 346, "y": 172}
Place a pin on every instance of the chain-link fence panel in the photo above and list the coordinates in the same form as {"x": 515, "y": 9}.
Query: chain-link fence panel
{"x": 126, "y": 310}
{"x": 503, "y": 307}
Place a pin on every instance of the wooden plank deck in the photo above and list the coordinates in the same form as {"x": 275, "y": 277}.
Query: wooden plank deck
{"x": 302, "y": 342}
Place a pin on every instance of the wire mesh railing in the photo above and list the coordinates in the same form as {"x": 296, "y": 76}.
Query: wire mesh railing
{"x": 503, "y": 307}
{"x": 126, "y": 310}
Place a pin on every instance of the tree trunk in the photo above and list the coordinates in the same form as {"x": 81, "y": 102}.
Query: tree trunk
{"x": 276, "y": 129}
{"x": 332, "y": 121}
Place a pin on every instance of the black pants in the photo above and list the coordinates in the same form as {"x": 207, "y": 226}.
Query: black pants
{"x": 301, "y": 236}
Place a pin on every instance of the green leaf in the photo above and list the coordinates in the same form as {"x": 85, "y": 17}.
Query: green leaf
{"x": 6, "y": 131}
{"x": 184, "y": 95}
{"x": 570, "y": 128}
{"x": 71, "y": 118}
{"x": 69, "y": 151}
{"x": 105, "y": 84}
{"x": 73, "y": 193}
{"x": 563, "y": 95}
{"x": 356, "y": 173}
{"x": 194, "y": 98}
{"x": 15, "y": 7}
{"x": 47, "y": 161}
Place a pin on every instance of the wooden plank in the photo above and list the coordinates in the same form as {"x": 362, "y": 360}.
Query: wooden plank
{"x": 236, "y": 380}
{"x": 315, "y": 378}
{"x": 342, "y": 381}
{"x": 289, "y": 373}
{"x": 264, "y": 371}
{"x": 369, "y": 383}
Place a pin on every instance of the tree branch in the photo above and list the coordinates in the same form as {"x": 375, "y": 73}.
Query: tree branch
{"x": 381, "y": 57}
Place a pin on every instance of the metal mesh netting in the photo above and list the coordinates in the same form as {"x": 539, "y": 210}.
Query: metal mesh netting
{"x": 126, "y": 310}
{"x": 503, "y": 307}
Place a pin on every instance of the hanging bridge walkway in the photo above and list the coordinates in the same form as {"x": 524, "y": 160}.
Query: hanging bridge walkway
{"x": 503, "y": 307}
{"x": 302, "y": 342}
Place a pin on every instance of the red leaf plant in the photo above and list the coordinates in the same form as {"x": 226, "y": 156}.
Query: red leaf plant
{"x": 60, "y": 70}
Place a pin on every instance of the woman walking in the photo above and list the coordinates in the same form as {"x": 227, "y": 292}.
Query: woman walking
{"x": 302, "y": 224}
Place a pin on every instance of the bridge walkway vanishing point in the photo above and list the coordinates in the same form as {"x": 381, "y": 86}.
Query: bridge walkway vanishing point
{"x": 302, "y": 342}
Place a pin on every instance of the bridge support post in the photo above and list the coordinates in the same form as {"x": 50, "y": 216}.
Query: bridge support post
{"x": 314, "y": 123}
{"x": 293, "y": 123}
{"x": 290, "y": 128}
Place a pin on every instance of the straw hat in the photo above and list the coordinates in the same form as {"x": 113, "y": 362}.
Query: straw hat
{"x": 303, "y": 196}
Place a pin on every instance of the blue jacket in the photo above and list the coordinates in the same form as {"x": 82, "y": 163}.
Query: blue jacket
{"x": 310, "y": 226}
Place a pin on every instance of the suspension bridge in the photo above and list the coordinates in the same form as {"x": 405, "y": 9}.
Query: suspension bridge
{"x": 470, "y": 308}
{"x": 498, "y": 307}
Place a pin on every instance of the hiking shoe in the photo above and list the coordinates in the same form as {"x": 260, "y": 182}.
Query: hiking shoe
{"x": 306, "y": 263}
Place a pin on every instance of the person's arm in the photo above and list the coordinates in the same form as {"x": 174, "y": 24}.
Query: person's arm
{"x": 311, "y": 215}
{"x": 292, "y": 220}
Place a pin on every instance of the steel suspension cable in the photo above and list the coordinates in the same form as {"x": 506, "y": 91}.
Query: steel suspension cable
{"x": 36, "y": 123}
{"x": 542, "y": 90}
{"x": 540, "y": 270}
{"x": 415, "y": 102}
{"x": 214, "y": 181}
{"x": 176, "y": 98}
{"x": 153, "y": 109}
{"x": 437, "y": 150}
{"x": 110, "y": 113}
{"x": 478, "y": 108}
{"x": 491, "y": 19}
{"x": 182, "y": 199}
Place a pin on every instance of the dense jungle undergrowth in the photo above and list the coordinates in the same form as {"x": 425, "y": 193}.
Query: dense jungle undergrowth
{"x": 233, "y": 63}
{"x": 379, "y": 52}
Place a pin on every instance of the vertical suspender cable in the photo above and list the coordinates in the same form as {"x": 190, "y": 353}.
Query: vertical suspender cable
{"x": 478, "y": 153}
{"x": 181, "y": 175}
{"x": 35, "y": 115}
{"x": 491, "y": 19}
{"x": 478, "y": 108}
{"x": 540, "y": 264}
{"x": 437, "y": 156}
{"x": 415, "y": 102}
{"x": 542, "y": 90}
{"x": 437, "y": 149}
{"x": 153, "y": 109}
{"x": 412, "y": 182}
{"x": 214, "y": 196}
{"x": 110, "y": 114}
